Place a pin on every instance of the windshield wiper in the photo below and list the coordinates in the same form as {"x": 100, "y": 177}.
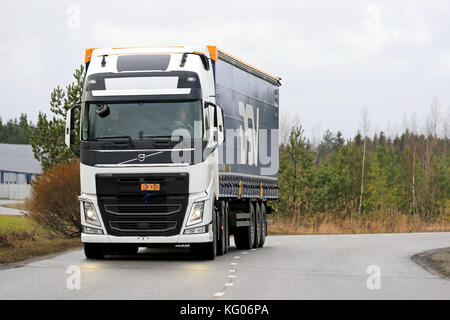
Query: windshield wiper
{"x": 165, "y": 138}
{"x": 130, "y": 141}
{"x": 164, "y": 141}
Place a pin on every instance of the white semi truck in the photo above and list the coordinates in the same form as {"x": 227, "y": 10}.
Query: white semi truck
{"x": 177, "y": 145}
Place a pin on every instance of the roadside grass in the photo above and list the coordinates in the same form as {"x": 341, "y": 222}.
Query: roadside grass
{"x": 441, "y": 260}
{"x": 18, "y": 206}
{"x": 16, "y": 224}
{"x": 379, "y": 222}
{"x": 21, "y": 238}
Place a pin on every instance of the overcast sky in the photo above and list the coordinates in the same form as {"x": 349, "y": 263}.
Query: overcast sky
{"x": 334, "y": 57}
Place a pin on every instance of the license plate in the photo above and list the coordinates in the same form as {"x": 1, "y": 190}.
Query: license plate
{"x": 150, "y": 187}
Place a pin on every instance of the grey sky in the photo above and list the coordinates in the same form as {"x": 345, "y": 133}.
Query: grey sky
{"x": 334, "y": 56}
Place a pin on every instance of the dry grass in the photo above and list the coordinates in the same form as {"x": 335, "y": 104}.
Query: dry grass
{"x": 27, "y": 249}
{"x": 21, "y": 238}
{"x": 392, "y": 222}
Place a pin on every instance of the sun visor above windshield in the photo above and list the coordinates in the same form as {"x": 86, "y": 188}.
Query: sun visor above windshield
{"x": 142, "y": 83}
{"x": 172, "y": 83}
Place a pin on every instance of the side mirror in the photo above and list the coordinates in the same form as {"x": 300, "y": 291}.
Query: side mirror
{"x": 218, "y": 125}
{"x": 70, "y": 128}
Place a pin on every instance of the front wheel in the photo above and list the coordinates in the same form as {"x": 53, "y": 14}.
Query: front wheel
{"x": 123, "y": 249}
{"x": 208, "y": 250}
{"x": 222, "y": 229}
{"x": 94, "y": 251}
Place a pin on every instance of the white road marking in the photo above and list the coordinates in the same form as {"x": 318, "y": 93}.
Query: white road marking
{"x": 232, "y": 276}
{"x": 234, "y": 263}
{"x": 231, "y": 270}
{"x": 237, "y": 257}
{"x": 229, "y": 284}
{"x": 219, "y": 294}
{"x": 244, "y": 252}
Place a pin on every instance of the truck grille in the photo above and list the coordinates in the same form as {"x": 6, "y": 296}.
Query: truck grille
{"x": 153, "y": 209}
{"x": 128, "y": 211}
{"x": 139, "y": 226}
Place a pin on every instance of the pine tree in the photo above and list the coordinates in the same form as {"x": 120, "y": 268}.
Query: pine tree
{"x": 296, "y": 165}
{"x": 47, "y": 139}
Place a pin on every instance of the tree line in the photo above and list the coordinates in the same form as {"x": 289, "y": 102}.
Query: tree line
{"x": 15, "y": 130}
{"x": 408, "y": 174}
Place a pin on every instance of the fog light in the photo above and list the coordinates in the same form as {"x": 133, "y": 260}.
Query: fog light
{"x": 90, "y": 230}
{"x": 197, "y": 230}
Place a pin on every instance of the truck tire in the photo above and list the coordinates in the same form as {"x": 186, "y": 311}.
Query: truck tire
{"x": 257, "y": 226}
{"x": 227, "y": 227}
{"x": 221, "y": 228}
{"x": 244, "y": 236}
{"x": 125, "y": 249}
{"x": 208, "y": 250}
{"x": 263, "y": 225}
{"x": 94, "y": 251}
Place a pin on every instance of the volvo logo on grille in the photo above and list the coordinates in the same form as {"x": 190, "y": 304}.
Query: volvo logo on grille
{"x": 141, "y": 157}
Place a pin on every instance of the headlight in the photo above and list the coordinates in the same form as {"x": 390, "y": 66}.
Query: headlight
{"x": 89, "y": 214}
{"x": 196, "y": 215}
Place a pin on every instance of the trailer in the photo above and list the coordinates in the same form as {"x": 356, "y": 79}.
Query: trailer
{"x": 177, "y": 145}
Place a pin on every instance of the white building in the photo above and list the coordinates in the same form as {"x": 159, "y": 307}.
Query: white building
{"x": 17, "y": 167}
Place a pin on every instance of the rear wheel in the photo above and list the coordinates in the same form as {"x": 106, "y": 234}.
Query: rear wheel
{"x": 227, "y": 227}
{"x": 244, "y": 236}
{"x": 257, "y": 226}
{"x": 263, "y": 225}
{"x": 95, "y": 251}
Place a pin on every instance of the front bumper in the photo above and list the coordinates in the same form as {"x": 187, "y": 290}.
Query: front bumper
{"x": 178, "y": 239}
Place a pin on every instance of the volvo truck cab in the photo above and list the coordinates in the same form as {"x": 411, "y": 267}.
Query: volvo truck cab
{"x": 148, "y": 133}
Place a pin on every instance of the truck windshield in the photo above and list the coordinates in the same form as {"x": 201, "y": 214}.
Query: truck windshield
{"x": 149, "y": 120}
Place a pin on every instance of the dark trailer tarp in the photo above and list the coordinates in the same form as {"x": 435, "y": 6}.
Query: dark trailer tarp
{"x": 249, "y": 99}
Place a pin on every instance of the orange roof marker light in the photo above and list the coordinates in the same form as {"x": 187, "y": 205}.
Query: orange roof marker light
{"x": 88, "y": 55}
{"x": 213, "y": 52}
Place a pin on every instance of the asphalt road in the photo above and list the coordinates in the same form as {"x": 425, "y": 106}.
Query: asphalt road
{"x": 9, "y": 211}
{"x": 288, "y": 267}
